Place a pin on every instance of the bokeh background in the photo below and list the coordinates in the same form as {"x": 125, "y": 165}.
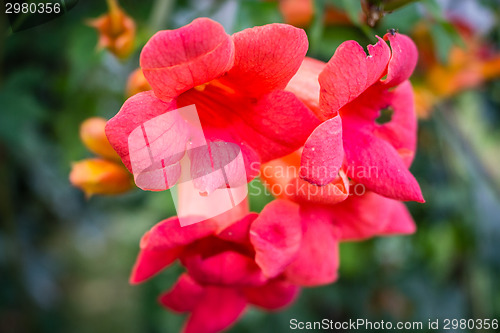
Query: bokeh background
{"x": 65, "y": 259}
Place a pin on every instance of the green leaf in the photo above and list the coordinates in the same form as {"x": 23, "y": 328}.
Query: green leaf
{"x": 444, "y": 32}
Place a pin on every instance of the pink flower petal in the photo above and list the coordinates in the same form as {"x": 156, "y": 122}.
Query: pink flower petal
{"x": 330, "y": 194}
{"x": 226, "y": 268}
{"x": 323, "y": 153}
{"x": 217, "y": 310}
{"x": 164, "y": 243}
{"x": 250, "y": 158}
{"x": 400, "y": 221}
{"x": 168, "y": 234}
{"x": 401, "y": 131}
{"x": 276, "y": 236}
{"x": 349, "y": 72}
{"x": 137, "y": 110}
{"x": 317, "y": 261}
{"x": 374, "y": 163}
{"x": 278, "y": 125}
{"x": 274, "y": 295}
{"x": 239, "y": 231}
{"x": 174, "y": 61}
{"x": 217, "y": 165}
{"x": 305, "y": 85}
{"x": 266, "y": 58}
{"x": 151, "y": 262}
{"x": 184, "y": 296}
{"x": 222, "y": 151}
{"x": 158, "y": 176}
{"x": 403, "y": 59}
{"x": 361, "y": 217}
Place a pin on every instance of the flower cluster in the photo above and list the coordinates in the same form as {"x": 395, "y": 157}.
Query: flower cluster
{"x": 466, "y": 67}
{"x": 257, "y": 90}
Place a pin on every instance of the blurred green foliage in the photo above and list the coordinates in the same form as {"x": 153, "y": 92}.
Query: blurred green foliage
{"x": 64, "y": 260}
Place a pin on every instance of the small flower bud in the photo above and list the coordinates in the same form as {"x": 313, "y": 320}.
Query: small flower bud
{"x": 297, "y": 12}
{"x": 136, "y": 83}
{"x": 116, "y": 31}
{"x": 99, "y": 176}
{"x": 94, "y": 138}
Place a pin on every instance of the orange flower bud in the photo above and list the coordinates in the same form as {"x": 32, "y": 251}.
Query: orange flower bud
{"x": 136, "y": 83}
{"x": 94, "y": 138}
{"x": 297, "y": 12}
{"x": 116, "y": 30}
{"x": 99, "y": 176}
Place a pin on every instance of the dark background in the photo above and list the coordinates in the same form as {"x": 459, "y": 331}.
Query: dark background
{"x": 65, "y": 260}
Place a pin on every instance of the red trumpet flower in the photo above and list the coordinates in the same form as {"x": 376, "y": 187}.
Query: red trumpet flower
{"x": 349, "y": 93}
